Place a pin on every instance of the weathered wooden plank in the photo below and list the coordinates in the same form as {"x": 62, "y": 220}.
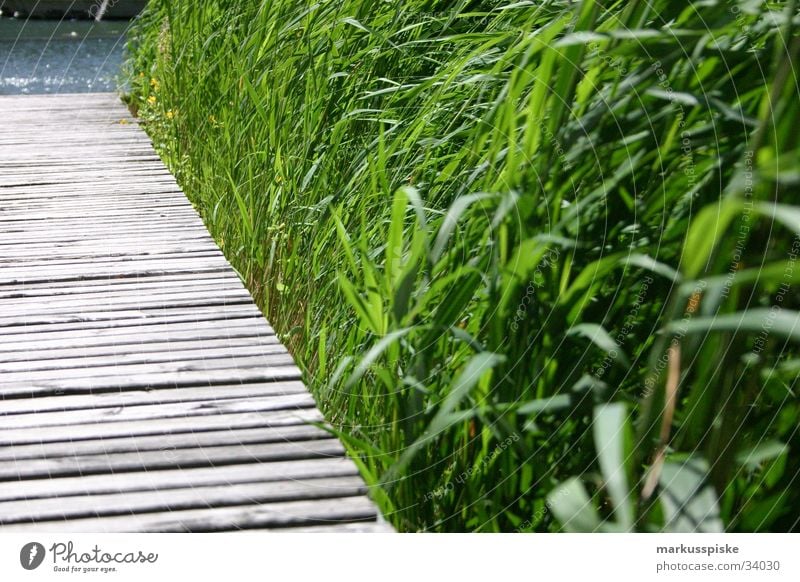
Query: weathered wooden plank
{"x": 161, "y": 327}
{"x": 94, "y": 241}
{"x": 130, "y": 270}
{"x": 43, "y": 222}
{"x": 151, "y": 379}
{"x": 135, "y": 227}
{"x": 109, "y": 268}
{"x": 121, "y": 246}
{"x": 112, "y": 369}
{"x": 178, "y": 478}
{"x": 188, "y": 349}
{"x": 206, "y": 311}
{"x": 178, "y": 233}
{"x": 18, "y": 229}
{"x": 104, "y": 401}
{"x": 273, "y": 515}
{"x": 100, "y": 224}
{"x": 177, "y": 282}
{"x": 137, "y": 306}
{"x": 130, "y": 333}
{"x": 119, "y": 289}
{"x": 43, "y": 191}
{"x": 216, "y": 456}
{"x": 84, "y": 190}
{"x": 160, "y": 426}
{"x": 47, "y": 191}
{"x": 109, "y": 150}
{"x": 201, "y": 259}
{"x": 120, "y": 358}
{"x": 130, "y": 444}
{"x": 138, "y": 301}
{"x": 259, "y": 404}
{"x": 82, "y": 506}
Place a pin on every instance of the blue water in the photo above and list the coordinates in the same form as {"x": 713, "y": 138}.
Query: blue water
{"x": 71, "y": 56}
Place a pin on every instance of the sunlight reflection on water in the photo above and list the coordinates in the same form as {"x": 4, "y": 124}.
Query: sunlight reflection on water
{"x": 41, "y": 56}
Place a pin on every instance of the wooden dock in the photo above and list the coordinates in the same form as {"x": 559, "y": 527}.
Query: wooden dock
{"x": 142, "y": 389}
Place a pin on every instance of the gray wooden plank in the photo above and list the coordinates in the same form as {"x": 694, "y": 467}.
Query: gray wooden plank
{"x": 139, "y": 352}
{"x": 214, "y": 456}
{"x": 159, "y": 297}
{"x": 129, "y": 331}
{"x": 106, "y": 402}
{"x": 134, "y": 333}
{"x": 155, "y": 481}
{"x": 148, "y": 379}
{"x": 212, "y": 306}
{"x": 83, "y": 506}
{"x": 124, "y": 375}
{"x": 130, "y": 444}
{"x": 73, "y": 255}
{"x": 178, "y": 283}
{"x": 199, "y": 352}
{"x": 89, "y": 238}
{"x": 273, "y": 515}
{"x": 98, "y": 269}
{"x": 160, "y": 426}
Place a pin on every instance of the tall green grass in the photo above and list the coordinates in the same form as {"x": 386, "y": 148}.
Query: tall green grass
{"x": 538, "y": 260}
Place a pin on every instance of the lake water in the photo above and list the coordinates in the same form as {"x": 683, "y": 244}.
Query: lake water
{"x": 72, "y": 56}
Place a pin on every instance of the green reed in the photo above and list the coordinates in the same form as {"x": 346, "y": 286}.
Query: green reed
{"x": 537, "y": 260}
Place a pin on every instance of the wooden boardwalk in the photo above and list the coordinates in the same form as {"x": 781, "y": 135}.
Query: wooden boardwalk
{"x": 142, "y": 390}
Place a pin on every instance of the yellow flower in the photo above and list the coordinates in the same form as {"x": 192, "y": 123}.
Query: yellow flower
{"x": 170, "y": 114}
{"x": 154, "y": 84}
{"x": 152, "y": 100}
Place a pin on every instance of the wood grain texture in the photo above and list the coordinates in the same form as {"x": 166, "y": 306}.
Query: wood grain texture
{"x": 141, "y": 389}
